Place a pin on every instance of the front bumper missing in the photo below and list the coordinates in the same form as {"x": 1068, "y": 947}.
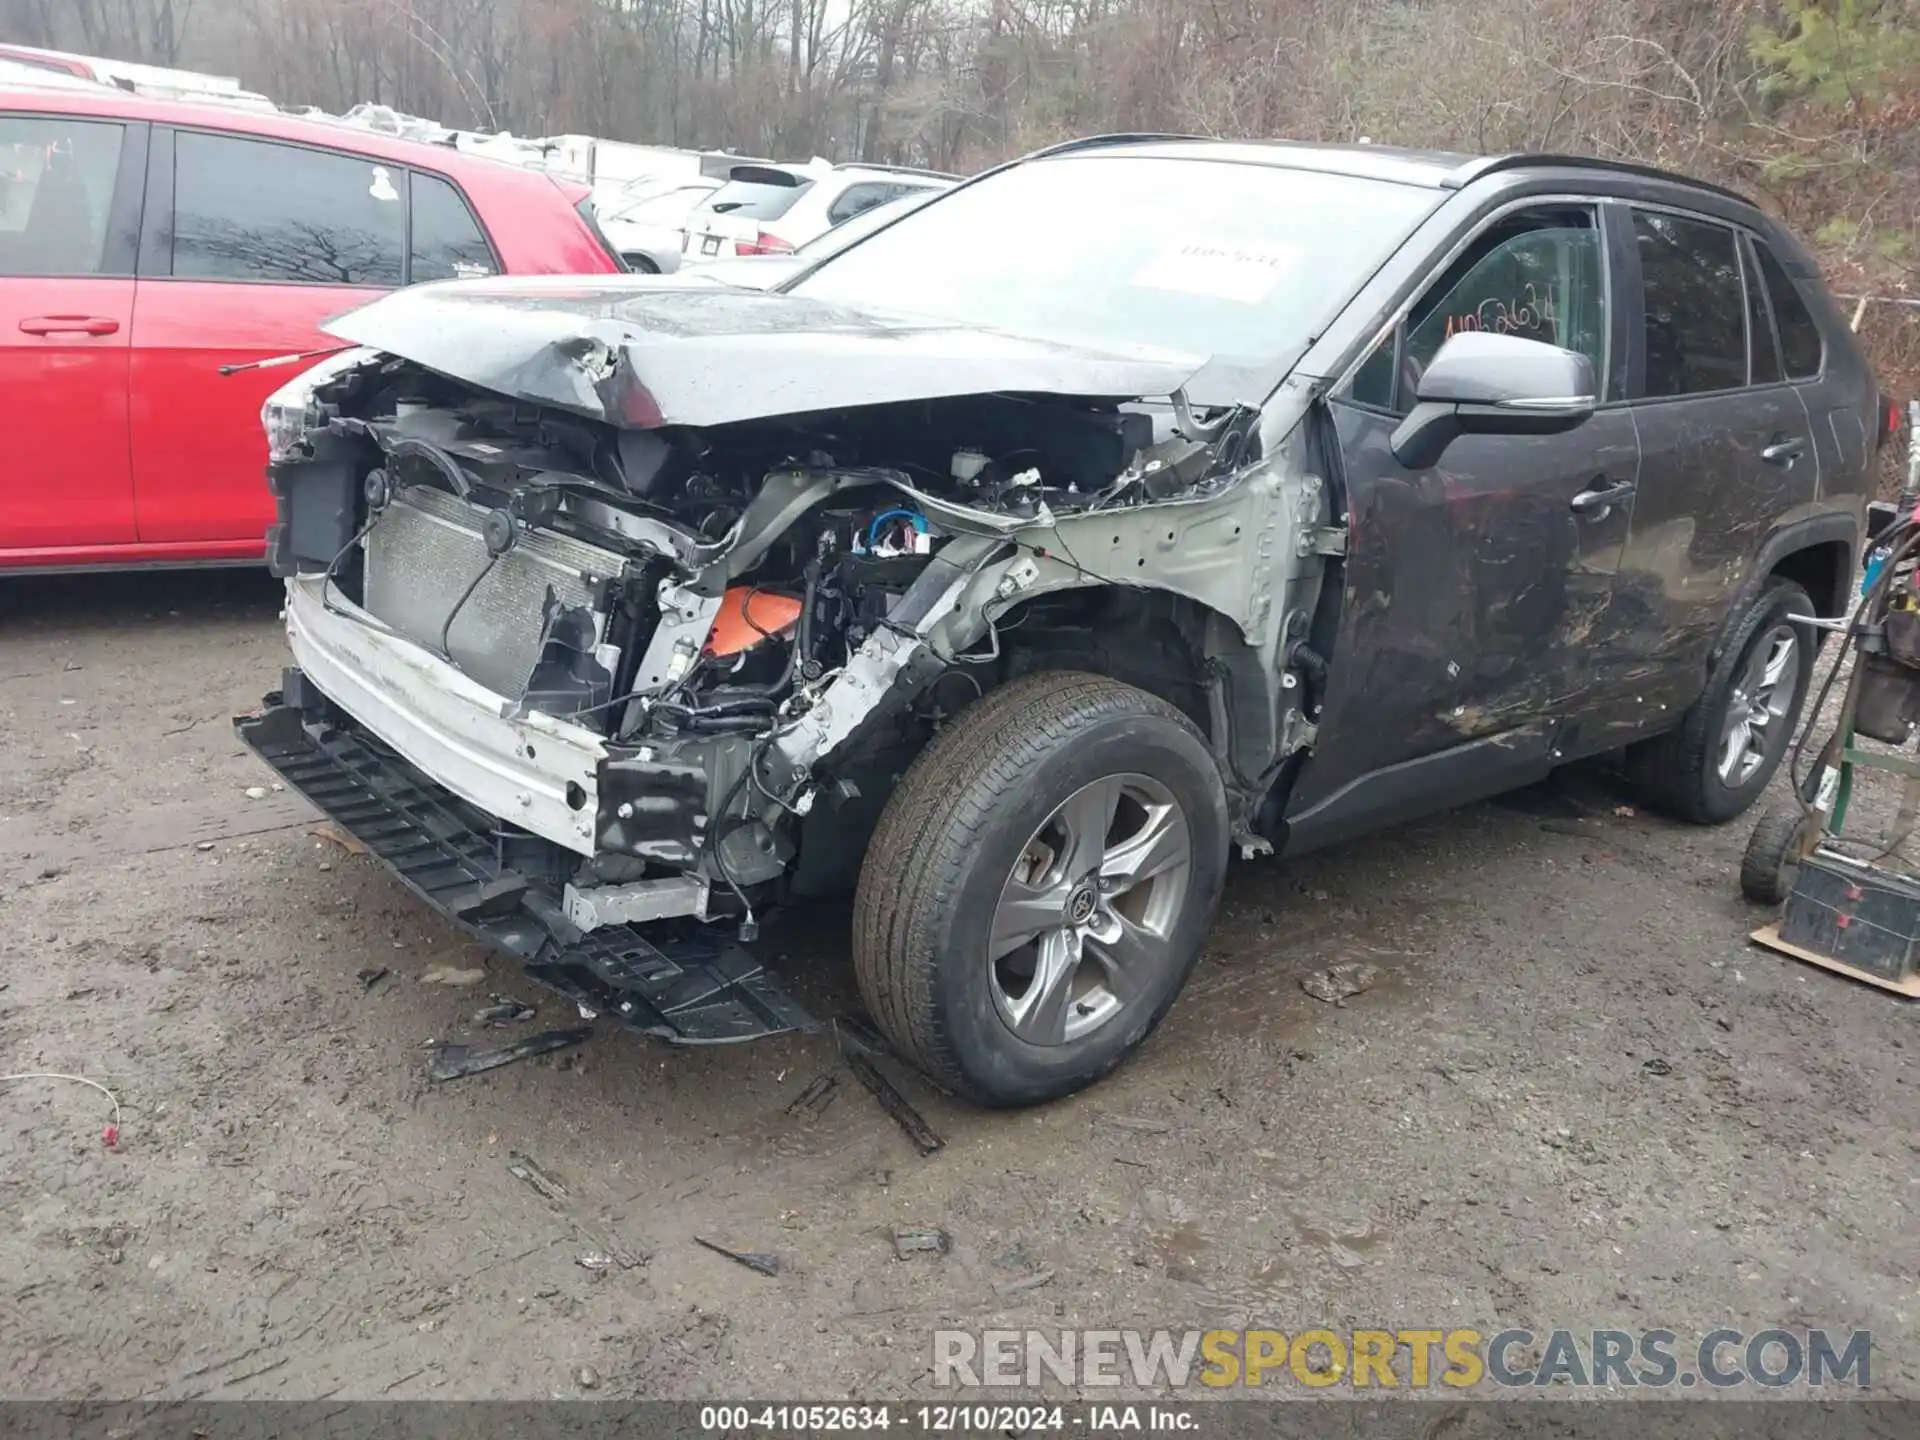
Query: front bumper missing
{"x": 680, "y": 982}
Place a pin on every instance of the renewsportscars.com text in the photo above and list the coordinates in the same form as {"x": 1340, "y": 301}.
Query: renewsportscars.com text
{"x": 1413, "y": 1359}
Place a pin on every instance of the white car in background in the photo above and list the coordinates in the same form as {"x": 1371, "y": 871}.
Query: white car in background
{"x": 763, "y": 272}
{"x": 775, "y": 209}
{"x": 647, "y": 224}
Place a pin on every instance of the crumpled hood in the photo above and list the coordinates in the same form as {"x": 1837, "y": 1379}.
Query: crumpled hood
{"x": 643, "y": 352}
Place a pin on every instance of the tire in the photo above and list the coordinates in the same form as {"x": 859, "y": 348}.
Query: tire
{"x": 1772, "y": 861}
{"x": 989, "y": 796}
{"x": 641, "y": 264}
{"x": 1681, "y": 773}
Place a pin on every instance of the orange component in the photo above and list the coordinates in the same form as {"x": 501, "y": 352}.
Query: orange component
{"x": 749, "y": 615}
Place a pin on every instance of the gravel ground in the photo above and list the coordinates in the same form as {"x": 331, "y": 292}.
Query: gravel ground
{"x": 1575, "y": 1097}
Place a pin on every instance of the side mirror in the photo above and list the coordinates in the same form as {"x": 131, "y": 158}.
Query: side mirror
{"x": 1487, "y": 384}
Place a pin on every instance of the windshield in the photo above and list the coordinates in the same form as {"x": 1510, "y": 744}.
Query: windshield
{"x": 663, "y": 207}
{"x": 1227, "y": 261}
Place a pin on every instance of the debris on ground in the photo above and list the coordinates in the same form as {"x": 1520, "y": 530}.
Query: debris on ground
{"x": 525, "y": 1167}
{"x": 204, "y": 846}
{"x": 894, "y": 1103}
{"x": 1624, "y": 812}
{"x": 453, "y": 1062}
{"x": 596, "y": 1261}
{"x": 1337, "y": 982}
{"x": 911, "y": 1240}
{"x": 334, "y": 835}
{"x": 452, "y": 975}
{"x": 110, "y": 1133}
{"x": 1657, "y": 1066}
{"x": 371, "y": 976}
{"x": 256, "y": 792}
{"x": 754, "y": 1260}
{"x": 502, "y": 1012}
{"x": 850, "y": 1029}
{"x": 1137, "y": 1125}
{"x": 587, "y": 1378}
{"x": 1025, "y": 1283}
{"x": 819, "y": 1094}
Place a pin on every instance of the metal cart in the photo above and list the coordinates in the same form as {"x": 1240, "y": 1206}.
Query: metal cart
{"x": 1845, "y": 910}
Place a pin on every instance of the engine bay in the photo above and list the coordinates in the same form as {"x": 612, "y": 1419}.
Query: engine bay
{"x": 726, "y": 607}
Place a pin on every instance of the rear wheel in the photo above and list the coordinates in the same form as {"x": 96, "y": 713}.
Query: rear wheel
{"x": 641, "y": 264}
{"x": 1040, "y": 886}
{"x": 1718, "y": 760}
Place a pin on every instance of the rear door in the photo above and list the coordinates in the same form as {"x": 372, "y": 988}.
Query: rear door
{"x": 1839, "y": 401}
{"x": 1726, "y": 444}
{"x": 248, "y": 245}
{"x": 69, "y": 218}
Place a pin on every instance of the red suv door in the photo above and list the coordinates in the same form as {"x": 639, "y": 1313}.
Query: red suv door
{"x": 69, "y": 198}
{"x": 247, "y": 245}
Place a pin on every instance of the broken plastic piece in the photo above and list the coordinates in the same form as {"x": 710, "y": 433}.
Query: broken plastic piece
{"x": 893, "y": 1102}
{"x": 754, "y": 1260}
{"x": 523, "y": 1167}
{"x": 817, "y": 1096}
{"x": 911, "y": 1240}
{"x": 456, "y": 1061}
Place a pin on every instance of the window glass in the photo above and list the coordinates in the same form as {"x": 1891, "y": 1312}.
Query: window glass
{"x": 1535, "y": 274}
{"x": 1800, "y": 342}
{"x": 857, "y": 198}
{"x": 668, "y": 208}
{"x": 1764, "y": 363}
{"x": 56, "y": 189}
{"x": 447, "y": 243}
{"x": 255, "y": 210}
{"x": 1696, "y": 329}
{"x": 767, "y": 199}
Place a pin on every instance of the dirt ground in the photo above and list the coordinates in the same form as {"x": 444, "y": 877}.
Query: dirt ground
{"x": 1575, "y": 1097}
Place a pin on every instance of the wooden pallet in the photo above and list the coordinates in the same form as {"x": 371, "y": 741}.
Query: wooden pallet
{"x": 1769, "y": 936}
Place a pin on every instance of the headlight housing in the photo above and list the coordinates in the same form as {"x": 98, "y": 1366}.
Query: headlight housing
{"x": 292, "y": 410}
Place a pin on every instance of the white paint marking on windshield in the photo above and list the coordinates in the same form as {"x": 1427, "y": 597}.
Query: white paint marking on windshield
{"x": 1242, "y": 271}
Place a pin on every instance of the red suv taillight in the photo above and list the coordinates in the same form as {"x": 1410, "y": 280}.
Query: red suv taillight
{"x": 762, "y": 244}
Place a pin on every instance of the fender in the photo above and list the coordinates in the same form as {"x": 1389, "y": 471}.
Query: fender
{"x": 1836, "y": 526}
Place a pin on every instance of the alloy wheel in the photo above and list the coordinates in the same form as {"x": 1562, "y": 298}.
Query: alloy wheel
{"x": 1085, "y": 919}
{"x": 1759, "y": 705}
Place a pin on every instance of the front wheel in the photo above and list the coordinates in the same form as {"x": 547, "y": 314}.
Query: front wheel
{"x": 1039, "y": 887}
{"x": 1715, "y": 763}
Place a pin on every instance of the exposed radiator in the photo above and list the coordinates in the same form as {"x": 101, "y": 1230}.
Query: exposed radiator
{"x": 427, "y": 548}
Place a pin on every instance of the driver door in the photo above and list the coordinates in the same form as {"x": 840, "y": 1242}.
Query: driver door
{"x": 1479, "y": 591}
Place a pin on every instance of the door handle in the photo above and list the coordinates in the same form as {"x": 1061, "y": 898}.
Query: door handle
{"x": 69, "y": 325}
{"x": 1602, "y": 496}
{"x": 1783, "y": 452}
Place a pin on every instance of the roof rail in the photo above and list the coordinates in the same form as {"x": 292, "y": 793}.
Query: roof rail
{"x": 1494, "y": 164}
{"x": 895, "y": 169}
{"x": 1090, "y": 142}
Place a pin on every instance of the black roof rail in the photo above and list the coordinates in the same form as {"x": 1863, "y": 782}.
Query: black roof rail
{"x": 1090, "y": 142}
{"x": 1520, "y": 160}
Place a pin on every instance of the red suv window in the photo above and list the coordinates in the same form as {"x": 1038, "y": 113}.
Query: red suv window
{"x": 258, "y": 210}
{"x": 447, "y": 240}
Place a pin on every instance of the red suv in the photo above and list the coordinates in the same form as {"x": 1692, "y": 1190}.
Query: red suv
{"x": 147, "y": 244}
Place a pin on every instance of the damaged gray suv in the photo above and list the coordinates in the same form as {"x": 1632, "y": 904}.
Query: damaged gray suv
{"x": 1271, "y": 495}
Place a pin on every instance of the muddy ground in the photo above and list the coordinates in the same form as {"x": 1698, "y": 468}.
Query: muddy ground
{"x": 1576, "y": 1096}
